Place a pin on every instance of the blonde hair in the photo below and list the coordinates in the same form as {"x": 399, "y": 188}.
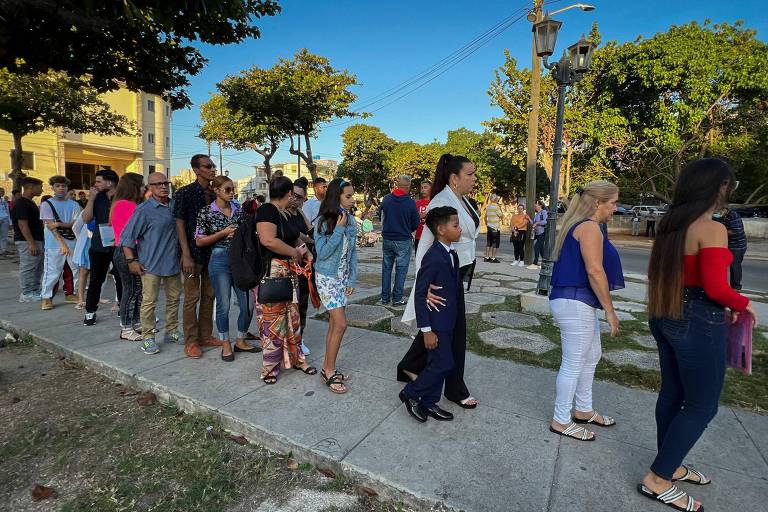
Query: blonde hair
{"x": 582, "y": 206}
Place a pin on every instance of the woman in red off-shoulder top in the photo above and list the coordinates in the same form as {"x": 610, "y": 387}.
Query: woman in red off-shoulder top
{"x": 688, "y": 293}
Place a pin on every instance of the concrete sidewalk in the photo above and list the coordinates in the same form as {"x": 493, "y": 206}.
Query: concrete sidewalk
{"x": 499, "y": 457}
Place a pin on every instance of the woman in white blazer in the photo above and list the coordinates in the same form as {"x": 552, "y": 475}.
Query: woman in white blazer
{"x": 454, "y": 179}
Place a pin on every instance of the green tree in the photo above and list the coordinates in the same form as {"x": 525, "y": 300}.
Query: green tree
{"x": 365, "y": 161}
{"x": 416, "y": 160}
{"x": 143, "y": 45}
{"x": 34, "y": 103}
{"x": 295, "y": 97}
{"x": 235, "y": 129}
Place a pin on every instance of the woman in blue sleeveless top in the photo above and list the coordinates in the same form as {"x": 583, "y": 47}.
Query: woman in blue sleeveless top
{"x": 587, "y": 268}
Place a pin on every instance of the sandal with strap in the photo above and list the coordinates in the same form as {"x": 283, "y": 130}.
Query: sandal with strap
{"x": 668, "y": 498}
{"x": 130, "y": 335}
{"x": 464, "y": 404}
{"x": 607, "y": 420}
{"x": 689, "y": 472}
{"x": 270, "y": 379}
{"x": 337, "y": 379}
{"x": 309, "y": 370}
{"x": 575, "y": 432}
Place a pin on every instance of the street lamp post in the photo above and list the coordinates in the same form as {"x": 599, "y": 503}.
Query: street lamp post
{"x": 568, "y": 70}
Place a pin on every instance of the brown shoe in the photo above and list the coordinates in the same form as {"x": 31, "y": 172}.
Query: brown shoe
{"x": 71, "y": 299}
{"x": 193, "y": 350}
{"x": 211, "y": 342}
{"x": 46, "y": 304}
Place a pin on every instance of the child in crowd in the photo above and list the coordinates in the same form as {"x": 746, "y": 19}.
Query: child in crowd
{"x": 440, "y": 266}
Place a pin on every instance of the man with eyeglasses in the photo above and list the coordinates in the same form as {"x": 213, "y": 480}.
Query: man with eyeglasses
{"x": 151, "y": 248}
{"x": 188, "y": 201}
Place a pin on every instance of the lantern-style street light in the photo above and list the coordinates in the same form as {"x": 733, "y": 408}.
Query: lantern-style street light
{"x": 568, "y": 70}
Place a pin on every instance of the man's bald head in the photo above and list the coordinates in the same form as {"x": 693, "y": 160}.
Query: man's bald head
{"x": 159, "y": 186}
{"x": 156, "y": 177}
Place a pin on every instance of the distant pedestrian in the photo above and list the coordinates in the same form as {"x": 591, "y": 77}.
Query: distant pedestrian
{"x": 5, "y": 222}
{"x": 58, "y": 214}
{"x": 215, "y": 227}
{"x": 539, "y": 227}
{"x": 151, "y": 248}
{"x": 128, "y": 195}
{"x": 96, "y": 212}
{"x": 400, "y": 219}
{"x": 688, "y": 292}
{"x": 635, "y": 224}
{"x": 28, "y": 237}
{"x": 311, "y": 207}
{"x": 737, "y": 242}
{"x": 198, "y": 289}
{"x": 587, "y": 268}
{"x": 650, "y": 225}
{"x": 493, "y": 219}
{"x": 520, "y": 222}
{"x": 336, "y": 268}
{"x": 425, "y": 190}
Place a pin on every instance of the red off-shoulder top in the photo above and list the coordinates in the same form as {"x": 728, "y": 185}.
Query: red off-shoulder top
{"x": 709, "y": 270}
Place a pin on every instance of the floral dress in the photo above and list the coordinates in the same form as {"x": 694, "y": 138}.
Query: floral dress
{"x": 332, "y": 288}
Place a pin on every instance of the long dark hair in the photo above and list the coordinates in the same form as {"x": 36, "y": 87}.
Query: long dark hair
{"x": 697, "y": 190}
{"x": 329, "y": 208}
{"x": 447, "y": 165}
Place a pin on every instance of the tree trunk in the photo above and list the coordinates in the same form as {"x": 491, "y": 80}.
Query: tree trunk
{"x": 17, "y": 160}
{"x": 311, "y": 165}
{"x": 268, "y": 167}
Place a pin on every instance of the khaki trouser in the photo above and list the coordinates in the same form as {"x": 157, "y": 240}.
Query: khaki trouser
{"x": 198, "y": 323}
{"x": 150, "y": 290}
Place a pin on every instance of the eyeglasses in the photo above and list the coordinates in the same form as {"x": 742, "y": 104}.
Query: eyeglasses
{"x": 209, "y": 166}
{"x": 160, "y": 184}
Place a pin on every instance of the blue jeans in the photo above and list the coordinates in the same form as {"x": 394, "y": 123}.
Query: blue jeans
{"x": 692, "y": 357}
{"x": 396, "y": 253}
{"x": 538, "y": 248}
{"x": 221, "y": 279}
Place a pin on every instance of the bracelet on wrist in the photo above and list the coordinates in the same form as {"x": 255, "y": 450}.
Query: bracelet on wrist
{"x": 130, "y": 260}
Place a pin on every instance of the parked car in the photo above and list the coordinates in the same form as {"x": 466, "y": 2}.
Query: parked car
{"x": 645, "y": 210}
{"x": 748, "y": 212}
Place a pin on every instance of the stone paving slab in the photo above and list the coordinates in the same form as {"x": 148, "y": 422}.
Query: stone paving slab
{"x": 471, "y": 307}
{"x": 622, "y": 316}
{"x": 510, "y": 319}
{"x": 640, "y": 359}
{"x": 363, "y": 315}
{"x": 483, "y": 298}
{"x": 500, "y": 290}
{"x": 500, "y": 277}
{"x": 481, "y": 281}
{"x": 399, "y": 327}
{"x": 645, "y": 340}
{"x": 510, "y": 338}
{"x": 632, "y": 307}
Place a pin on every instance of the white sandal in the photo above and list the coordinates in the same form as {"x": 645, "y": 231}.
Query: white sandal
{"x": 576, "y": 432}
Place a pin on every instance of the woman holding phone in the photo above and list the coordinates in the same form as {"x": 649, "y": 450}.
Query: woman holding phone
{"x": 336, "y": 268}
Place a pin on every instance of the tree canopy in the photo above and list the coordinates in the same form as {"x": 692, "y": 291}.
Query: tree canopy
{"x": 140, "y": 44}
{"x": 365, "y": 161}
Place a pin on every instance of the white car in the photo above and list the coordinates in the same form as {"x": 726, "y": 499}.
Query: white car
{"x": 647, "y": 211}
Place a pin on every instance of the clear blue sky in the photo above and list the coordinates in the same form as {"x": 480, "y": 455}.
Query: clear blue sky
{"x": 386, "y": 43}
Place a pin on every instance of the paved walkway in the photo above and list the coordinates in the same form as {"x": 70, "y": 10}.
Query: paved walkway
{"x": 499, "y": 457}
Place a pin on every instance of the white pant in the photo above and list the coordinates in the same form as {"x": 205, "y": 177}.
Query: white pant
{"x": 54, "y": 266}
{"x": 580, "y": 340}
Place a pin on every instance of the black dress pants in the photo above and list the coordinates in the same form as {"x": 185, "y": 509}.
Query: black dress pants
{"x": 100, "y": 262}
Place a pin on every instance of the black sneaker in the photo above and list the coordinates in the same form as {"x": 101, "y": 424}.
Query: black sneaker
{"x": 487, "y": 260}
{"x": 90, "y": 319}
{"x": 399, "y": 303}
{"x": 495, "y": 260}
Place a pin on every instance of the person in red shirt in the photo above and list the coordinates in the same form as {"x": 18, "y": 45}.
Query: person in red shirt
{"x": 425, "y": 189}
{"x": 688, "y": 293}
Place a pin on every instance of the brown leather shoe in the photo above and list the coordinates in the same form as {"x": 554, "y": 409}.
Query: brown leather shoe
{"x": 193, "y": 350}
{"x": 211, "y": 342}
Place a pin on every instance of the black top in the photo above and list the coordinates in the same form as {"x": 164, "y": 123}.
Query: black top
{"x": 188, "y": 201}
{"x": 287, "y": 229}
{"x": 298, "y": 222}
{"x": 25, "y": 209}
{"x": 101, "y": 206}
{"x": 737, "y": 239}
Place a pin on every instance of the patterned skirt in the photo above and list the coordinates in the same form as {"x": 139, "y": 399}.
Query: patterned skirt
{"x": 280, "y": 330}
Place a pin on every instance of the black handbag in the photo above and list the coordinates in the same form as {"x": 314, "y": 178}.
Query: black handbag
{"x": 273, "y": 289}
{"x": 66, "y": 233}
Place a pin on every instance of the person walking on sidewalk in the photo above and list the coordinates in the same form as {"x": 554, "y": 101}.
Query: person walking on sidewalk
{"x": 493, "y": 218}
{"x": 198, "y": 289}
{"x": 520, "y": 222}
{"x": 151, "y": 249}
{"x": 100, "y": 254}
{"x": 737, "y": 242}
{"x": 5, "y": 222}
{"x": 58, "y": 214}
{"x": 28, "y": 237}
{"x": 587, "y": 268}
{"x": 400, "y": 219}
{"x": 336, "y": 268}
{"x": 425, "y": 191}
{"x": 128, "y": 195}
{"x": 439, "y": 267}
{"x": 688, "y": 292}
{"x": 214, "y": 228}
{"x": 539, "y": 227}
{"x": 454, "y": 179}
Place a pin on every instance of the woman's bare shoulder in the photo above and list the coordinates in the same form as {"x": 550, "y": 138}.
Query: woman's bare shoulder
{"x": 707, "y": 233}
{"x": 589, "y": 229}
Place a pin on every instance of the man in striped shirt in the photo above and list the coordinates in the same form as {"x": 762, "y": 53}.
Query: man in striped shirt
{"x": 737, "y": 242}
{"x": 493, "y": 219}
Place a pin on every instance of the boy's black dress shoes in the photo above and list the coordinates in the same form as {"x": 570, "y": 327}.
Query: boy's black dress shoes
{"x": 414, "y": 407}
{"x": 438, "y": 413}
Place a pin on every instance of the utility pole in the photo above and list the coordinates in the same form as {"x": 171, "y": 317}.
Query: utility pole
{"x": 209, "y": 147}
{"x": 533, "y": 132}
{"x": 221, "y": 165}
{"x": 298, "y": 158}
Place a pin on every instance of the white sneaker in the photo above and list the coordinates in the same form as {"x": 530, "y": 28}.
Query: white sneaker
{"x": 533, "y": 267}
{"x": 30, "y": 297}
{"x": 520, "y": 263}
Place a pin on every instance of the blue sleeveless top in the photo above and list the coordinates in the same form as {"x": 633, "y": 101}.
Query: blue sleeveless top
{"x": 569, "y": 277}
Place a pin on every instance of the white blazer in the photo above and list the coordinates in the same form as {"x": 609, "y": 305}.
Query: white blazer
{"x": 465, "y": 247}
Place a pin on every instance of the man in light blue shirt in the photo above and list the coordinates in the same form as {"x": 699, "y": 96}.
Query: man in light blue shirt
{"x": 5, "y": 222}
{"x": 311, "y": 208}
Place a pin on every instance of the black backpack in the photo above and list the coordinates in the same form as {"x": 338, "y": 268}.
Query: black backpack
{"x": 244, "y": 256}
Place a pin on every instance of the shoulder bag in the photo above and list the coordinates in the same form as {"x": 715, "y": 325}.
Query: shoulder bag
{"x": 66, "y": 233}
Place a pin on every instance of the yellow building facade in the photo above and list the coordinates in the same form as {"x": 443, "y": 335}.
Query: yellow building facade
{"x": 80, "y": 156}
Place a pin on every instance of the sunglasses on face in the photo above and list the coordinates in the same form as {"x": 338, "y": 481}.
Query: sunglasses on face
{"x": 160, "y": 184}
{"x": 208, "y": 166}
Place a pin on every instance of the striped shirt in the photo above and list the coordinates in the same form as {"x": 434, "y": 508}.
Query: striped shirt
{"x": 493, "y": 216}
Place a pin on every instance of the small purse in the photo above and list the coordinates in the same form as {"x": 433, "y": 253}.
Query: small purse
{"x": 274, "y": 289}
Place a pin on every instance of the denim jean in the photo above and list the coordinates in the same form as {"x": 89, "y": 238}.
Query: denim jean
{"x": 692, "y": 357}
{"x": 396, "y": 253}
{"x": 30, "y": 268}
{"x": 738, "y": 258}
{"x": 538, "y": 248}
{"x": 5, "y": 223}
{"x": 221, "y": 279}
{"x": 130, "y": 301}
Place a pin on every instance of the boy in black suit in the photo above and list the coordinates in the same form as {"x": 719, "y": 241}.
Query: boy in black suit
{"x": 440, "y": 266}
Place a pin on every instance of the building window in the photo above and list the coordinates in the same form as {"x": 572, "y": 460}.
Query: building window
{"x": 151, "y": 138}
{"x": 167, "y": 142}
{"x": 151, "y": 168}
{"x": 167, "y": 110}
{"x": 27, "y": 160}
{"x": 151, "y": 105}
{"x": 81, "y": 175}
